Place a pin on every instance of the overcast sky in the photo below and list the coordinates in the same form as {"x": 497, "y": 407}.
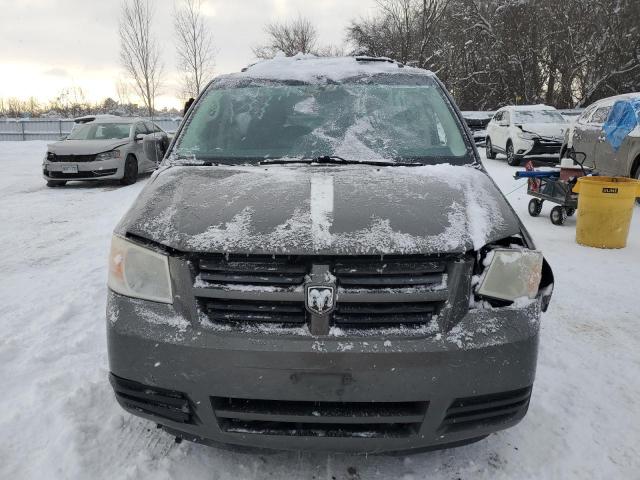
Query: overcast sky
{"x": 49, "y": 45}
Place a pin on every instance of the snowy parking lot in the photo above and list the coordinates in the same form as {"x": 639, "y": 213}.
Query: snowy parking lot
{"x": 59, "y": 418}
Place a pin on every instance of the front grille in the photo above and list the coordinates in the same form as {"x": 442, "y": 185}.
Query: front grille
{"x": 485, "y": 410}
{"x": 370, "y": 292}
{"x": 229, "y": 311}
{"x": 383, "y": 314}
{"x": 545, "y": 146}
{"x": 158, "y": 402}
{"x": 388, "y": 274}
{"x": 264, "y": 271}
{"x": 319, "y": 419}
{"x": 52, "y": 157}
{"x": 88, "y": 174}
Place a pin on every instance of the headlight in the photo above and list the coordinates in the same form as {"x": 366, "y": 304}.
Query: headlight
{"x": 511, "y": 274}
{"x": 527, "y": 136}
{"x": 138, "y": 272}
{"x": 108, "y": 155}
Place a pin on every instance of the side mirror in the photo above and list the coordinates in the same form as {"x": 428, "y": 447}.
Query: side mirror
{"x": 153, "y": 146}
{"x": 139, "y": 137}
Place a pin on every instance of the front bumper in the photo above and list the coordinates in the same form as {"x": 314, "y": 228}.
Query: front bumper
{"x": 97, "y": 170}
{"x": 540, "y": 147}
{"x": 331, "y": 393}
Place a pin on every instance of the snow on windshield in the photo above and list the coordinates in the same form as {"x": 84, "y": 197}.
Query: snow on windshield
{"x": 101, "y": 131}
{"x": 242, "y": 119}
{"x": 538, "y": 116}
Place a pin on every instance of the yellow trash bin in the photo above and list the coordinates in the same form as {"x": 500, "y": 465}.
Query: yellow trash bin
{"x": 605, "y": 206}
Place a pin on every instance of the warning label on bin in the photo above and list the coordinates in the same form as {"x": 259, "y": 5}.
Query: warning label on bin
{"x": 609, "y": 190}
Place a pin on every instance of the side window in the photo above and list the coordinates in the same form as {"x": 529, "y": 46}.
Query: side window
{"x": 140, "y": 129}
{"x": 600, "y": 115}
{"x": 506, "y": 117}
{"x": 498, "y": 116}
{"x": 584, "y": 118}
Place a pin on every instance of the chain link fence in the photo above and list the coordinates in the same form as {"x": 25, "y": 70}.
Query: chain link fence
{"x": 55, "y": 129}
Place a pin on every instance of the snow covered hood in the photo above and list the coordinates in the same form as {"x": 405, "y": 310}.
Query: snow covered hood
{"x": 321, "y": 210}
{"x": 85, "y": 147}
{"x": 549, "y": 130}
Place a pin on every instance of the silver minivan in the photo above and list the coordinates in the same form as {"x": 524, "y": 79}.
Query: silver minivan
{"x": 107, "y": 148}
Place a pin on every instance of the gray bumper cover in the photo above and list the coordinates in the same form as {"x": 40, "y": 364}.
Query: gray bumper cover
{"x": 487, "y": 352}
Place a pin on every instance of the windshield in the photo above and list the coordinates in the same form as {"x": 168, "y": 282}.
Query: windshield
{"x": 538, "y": 116}
{"x": 100, "y": 131}
{"x": 356, "y": 121}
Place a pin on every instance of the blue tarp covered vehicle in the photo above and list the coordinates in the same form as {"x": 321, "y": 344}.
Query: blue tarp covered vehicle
{"x": 622, "y": 120}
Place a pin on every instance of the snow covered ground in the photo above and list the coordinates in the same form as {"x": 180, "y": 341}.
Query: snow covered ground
{"x": 59, "y": 419}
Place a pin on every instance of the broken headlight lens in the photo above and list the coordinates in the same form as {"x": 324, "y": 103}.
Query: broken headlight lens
{"x": 511, "y": 274}
{"x": 138, "y": 272}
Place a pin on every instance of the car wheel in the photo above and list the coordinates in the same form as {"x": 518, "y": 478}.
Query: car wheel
{"x": 130, "y": 171}
{"x": 511, "y": 155}
{"x": 570, "y": 211}
{"x": 558, "y": 215}
{"x": 491, "y": 155}
{"x": 535, "y": 207}
{"x": 56, "y": 183}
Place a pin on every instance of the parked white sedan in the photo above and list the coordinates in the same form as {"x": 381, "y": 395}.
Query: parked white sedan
{"x": 526, "y": 131}
{"x": 104, "y": 149}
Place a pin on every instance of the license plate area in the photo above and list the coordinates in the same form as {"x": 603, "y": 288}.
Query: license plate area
{"x": 69, "y": 169}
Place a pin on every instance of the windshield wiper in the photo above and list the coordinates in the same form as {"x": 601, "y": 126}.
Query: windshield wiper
{"x": 335, "y": 160}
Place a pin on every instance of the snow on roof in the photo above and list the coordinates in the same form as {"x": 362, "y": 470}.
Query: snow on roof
{"x": 611, "y": 100}
{"x": 528, "y": 108}
{"x": 310, "y": 68}
{"x": 115, "y": 119}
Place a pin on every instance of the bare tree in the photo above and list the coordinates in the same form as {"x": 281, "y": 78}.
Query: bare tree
{"x": 139, "y": 53}
{"x": 290, "y": 37}
{"x": 194, "y": 47}
{"x": 123, "y": 91}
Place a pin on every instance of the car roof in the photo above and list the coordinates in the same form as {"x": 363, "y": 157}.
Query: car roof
{"x": 310, "y": 68}
{"x": 611, "y": 100}
{"x": 528, "y": 108}
{"x": 115, "y": 119}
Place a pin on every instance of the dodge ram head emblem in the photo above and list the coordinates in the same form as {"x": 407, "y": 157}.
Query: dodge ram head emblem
{"x": 320, "y": 299}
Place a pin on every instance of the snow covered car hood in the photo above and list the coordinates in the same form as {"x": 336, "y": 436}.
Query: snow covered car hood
{"x": 85, "y": 147}
{"x": 550, "y": 130}
{"x": 321, "y": 210}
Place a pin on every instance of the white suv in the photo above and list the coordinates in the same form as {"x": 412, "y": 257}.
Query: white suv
{"x": 526, "y": 131}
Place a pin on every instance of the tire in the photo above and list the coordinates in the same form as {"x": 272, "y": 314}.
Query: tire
{"x": 491, "y": 155}
{"x": 558, "y": 215}
{"x": 130, "y": 171}
{"x": 570, "y": 211}
{"x": 511, "y": 155}
{"x": 535, "y": 207}
{"x": 56, "y": 183}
